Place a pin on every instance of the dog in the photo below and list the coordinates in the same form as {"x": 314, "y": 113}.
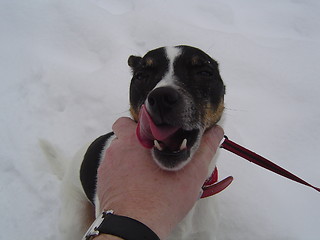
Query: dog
{"x": 176, "y": 94}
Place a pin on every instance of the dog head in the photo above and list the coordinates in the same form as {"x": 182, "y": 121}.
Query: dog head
{"x": 176, "y": 93}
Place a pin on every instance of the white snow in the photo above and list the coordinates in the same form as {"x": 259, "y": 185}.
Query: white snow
{"x": 65, "y": 79}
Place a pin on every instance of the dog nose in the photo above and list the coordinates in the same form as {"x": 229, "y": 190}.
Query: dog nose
{"x": 162, "y": 101}
{"x": 163, "y": 96}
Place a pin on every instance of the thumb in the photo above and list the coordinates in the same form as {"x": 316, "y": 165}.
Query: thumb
{"x": 209, "y": 144}
{"x": 124, "y": 127}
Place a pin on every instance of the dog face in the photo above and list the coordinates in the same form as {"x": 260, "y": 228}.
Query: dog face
{"x": 176, "y": 93}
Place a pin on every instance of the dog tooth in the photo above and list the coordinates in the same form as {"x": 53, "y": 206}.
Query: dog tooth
{"x": 157, "y": 145}
{"x": 183, "y": 144}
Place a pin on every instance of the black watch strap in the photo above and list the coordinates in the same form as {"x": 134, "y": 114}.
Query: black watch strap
{"x": 125, "y": 227}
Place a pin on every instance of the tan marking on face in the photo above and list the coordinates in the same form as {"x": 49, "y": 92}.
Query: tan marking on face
{"x": 212, "y": 115}
{"x": 149, "y": 62}
{"x": 195, "y": 60}
{"x": 134, "y": 113}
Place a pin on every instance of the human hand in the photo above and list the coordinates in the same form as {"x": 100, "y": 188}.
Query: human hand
{"x": 132, "y": 184}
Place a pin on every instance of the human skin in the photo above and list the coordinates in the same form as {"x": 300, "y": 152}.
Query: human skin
{"x": 132, "y": 184}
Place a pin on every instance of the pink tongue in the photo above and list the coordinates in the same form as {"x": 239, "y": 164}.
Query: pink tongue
{"x": 147, "y": 131}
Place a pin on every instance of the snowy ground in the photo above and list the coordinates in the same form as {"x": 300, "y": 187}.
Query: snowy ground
{"x": 65, "y": 80}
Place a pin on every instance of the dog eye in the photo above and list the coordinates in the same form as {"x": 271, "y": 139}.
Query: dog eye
{"x": 205, "y": 73}
{"x": 140, "y": 76}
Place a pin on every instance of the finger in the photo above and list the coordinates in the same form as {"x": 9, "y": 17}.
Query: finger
{"x": 123, "y": 127}
{"x": 215, "y": 136}
{"x": 209, "y": 144}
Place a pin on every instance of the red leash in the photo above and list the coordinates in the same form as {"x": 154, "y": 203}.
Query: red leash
{"x": 261, "y": 161}
{"x": 212, "y": 186}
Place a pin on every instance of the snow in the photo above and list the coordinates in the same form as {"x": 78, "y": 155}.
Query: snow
{"x": 65, "y": 80}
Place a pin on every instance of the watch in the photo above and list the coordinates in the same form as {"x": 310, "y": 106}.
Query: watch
{"x": 124, "y": 227}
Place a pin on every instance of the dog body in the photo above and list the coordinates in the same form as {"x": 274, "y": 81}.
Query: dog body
{"x": 176, "y": 93}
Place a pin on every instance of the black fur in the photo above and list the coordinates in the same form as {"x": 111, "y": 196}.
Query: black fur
{"x": 196, "y": 72}
{"x": 200, "y": 76}
{"x": 90, "y": 164}
{"x": 146, "y": 76}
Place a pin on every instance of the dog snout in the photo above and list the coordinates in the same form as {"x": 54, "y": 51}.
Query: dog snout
{"x": 162, "y": 102}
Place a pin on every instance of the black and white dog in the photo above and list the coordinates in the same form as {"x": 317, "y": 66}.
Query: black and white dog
{"x": 176, "y": 93}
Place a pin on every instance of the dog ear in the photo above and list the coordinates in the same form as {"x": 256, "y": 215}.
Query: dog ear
{"x": 134, "y": 61}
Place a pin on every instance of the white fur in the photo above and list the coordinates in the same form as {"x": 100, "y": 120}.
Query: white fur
{"x": 168, "y": 80}
{"x": 77, "y": 213}
{"x": 57, "y": 163}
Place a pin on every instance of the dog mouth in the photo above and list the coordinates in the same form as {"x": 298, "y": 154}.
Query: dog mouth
{"x": 171, "y": 145}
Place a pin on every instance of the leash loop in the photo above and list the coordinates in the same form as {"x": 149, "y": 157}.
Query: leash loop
{"x": 212, "y": 186}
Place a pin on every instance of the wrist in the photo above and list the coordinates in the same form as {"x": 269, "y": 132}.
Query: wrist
{"x": 110, "y": 226}
{"x": 107, "y": 237}
{"x": 146, "y": 217}
{"x": 159, "y": 219}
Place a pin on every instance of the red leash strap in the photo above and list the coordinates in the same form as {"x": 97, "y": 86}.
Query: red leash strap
{"x": 261, "y": 161}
